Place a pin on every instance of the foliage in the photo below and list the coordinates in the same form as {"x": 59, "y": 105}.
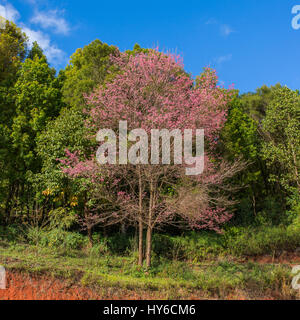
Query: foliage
{"x": 67, "y": 131}
{"x": 266, "y": 240}
{"x": 55, "y": 238}
{"x": 88, "y": 67}
{"x": 12, "y": 51}
{"x": 38, "y": 100}
{"x": 282, "y": 137}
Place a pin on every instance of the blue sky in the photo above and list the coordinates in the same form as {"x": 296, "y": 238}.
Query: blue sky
{"x": 249, "y": 42}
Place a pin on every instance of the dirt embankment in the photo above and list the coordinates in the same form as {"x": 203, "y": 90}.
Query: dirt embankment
{"x": 21, "y": 286}
{"x": 24, "y": 286}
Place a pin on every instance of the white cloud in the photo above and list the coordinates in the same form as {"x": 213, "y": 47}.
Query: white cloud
{"x": 225, "y": 30}
{"x": 54, "y": 55}
{"x": 8, "y": 12}
{"x": 222, "y": 59}
{"x": 51, "y": 20}
{"x": 52, "y": 52}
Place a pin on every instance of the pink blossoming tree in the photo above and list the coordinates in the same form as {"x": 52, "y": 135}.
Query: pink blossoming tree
{"x": 152, "y": 91}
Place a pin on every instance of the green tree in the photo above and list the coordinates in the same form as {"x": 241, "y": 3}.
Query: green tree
{"x": 88, "y": 67}
{"x": 12, "y": 50}
{"x": 13, "y": 44}
{"x": 255, "y": 103}
{"x": 36, "y": 50}
{"x": 281, "y": 127}
{"x": 37, "y": 99}
{"x": 240, "y": 138}
{"x": 67, "y": 132}
{"x": 243, "y": 135}
{"x": 12, "y": 53}
{"x": 240, "y": 133}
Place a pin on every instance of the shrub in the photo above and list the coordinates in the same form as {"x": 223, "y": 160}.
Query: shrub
{"x": 193, "y": 246}
{"x": 99, "y": 249}
{"x": 121, "y": 243}
{"x": 263, "y": 240}
{"x": 56, "y": 238}
{"x": 12, "y": 233}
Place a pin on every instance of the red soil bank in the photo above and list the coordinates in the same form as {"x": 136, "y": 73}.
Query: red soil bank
{"x": 25, "y": 287}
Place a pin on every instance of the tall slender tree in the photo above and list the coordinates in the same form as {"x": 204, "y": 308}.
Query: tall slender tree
{"x": 37, "y": 98}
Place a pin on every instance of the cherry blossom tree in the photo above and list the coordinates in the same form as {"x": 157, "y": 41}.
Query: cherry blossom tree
{"x": 152, "y": 91}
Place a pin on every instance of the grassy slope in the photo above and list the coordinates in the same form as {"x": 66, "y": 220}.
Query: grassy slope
{"x": 166, "y": 280}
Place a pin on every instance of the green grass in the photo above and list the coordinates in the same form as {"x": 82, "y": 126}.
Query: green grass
{"x": 193, "y": 246}
{"x": 168, "y": 279}
{"x": 202, "y": 264}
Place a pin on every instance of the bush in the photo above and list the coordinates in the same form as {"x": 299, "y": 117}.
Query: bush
{"x": 121, "y": 243}
{"x": 56, "y": 238}
{"x": 294, "y": 213}
{"x": 195, "y": 246}
{"x": 269, "y": 212}
{"x": 99, "y": 249}
{"x": 12, "y": 233}
{"x": 263, "y": 240}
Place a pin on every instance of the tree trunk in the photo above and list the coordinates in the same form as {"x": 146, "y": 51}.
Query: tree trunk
{"x": 89, "y": 231}
{"x": 296, "y": 168}
{"x": 149, "y": 247}
{"x": 8, "y": 203}
{"x": 141, "y": 258}
{"x": 123, "y": 228}
{"x": 149, "y": 229}
{"x": 295, "y": 161}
